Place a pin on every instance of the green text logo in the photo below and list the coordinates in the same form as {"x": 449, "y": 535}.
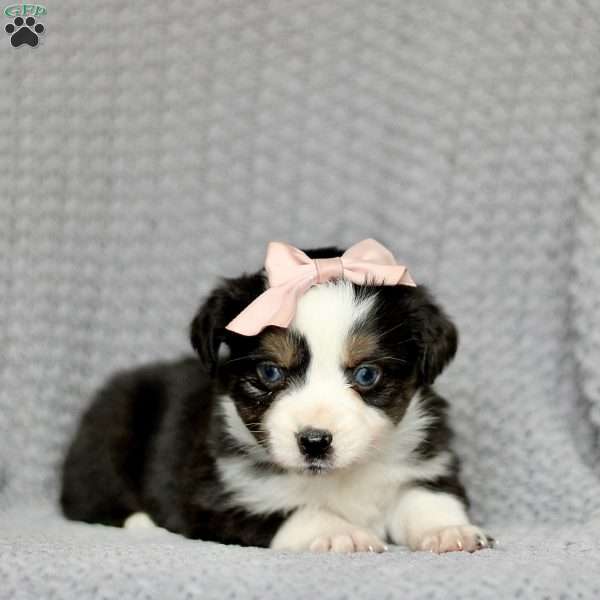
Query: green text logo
{"x": 24, "y": 10}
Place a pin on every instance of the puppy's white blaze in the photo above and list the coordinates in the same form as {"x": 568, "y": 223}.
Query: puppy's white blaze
{"x": 325, "y": 317}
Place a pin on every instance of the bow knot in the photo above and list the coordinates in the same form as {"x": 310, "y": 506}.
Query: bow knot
{"x": 292, "y": 273}
{"x": 329, "y": 268}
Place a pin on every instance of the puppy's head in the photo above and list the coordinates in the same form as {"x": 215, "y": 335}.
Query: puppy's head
{"x": 331, "y": 389}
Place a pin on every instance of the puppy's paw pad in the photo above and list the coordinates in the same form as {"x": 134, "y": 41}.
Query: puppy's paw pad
{"x": 356, "y": 540}
{"x": 467, "y": 538}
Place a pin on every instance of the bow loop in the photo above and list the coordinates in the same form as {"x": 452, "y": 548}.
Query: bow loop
{"x": 283, "y": 259}
{"x": 292, "y": 273}
{"x": 372, "y": 251}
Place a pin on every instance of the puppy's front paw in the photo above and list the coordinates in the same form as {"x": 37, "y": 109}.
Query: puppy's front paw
{"x": 468, "y": 538}
{"x": 355, "y": 540}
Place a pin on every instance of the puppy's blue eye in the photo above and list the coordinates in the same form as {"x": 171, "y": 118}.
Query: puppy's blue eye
{"x": 366, "y": 376}
{"x": 269, "y": 373}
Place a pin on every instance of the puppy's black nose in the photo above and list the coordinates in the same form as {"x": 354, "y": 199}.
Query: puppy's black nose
{"x": 314, "y": 443}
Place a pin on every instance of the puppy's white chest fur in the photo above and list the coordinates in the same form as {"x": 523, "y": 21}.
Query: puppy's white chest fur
{"x": 363, "y": 494}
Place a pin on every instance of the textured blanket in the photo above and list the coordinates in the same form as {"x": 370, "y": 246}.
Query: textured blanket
{"x": 148, "y": 148}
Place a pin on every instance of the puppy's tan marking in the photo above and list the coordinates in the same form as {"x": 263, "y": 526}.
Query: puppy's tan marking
{"x": 283, "y": 347}
{"x": 359, "y": 347}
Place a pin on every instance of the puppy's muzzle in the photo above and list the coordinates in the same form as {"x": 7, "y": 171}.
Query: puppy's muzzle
{"x": 314, "y": 443}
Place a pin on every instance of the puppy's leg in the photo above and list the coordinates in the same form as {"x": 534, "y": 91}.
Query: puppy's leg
{"x": 435, "y": 521}
{"x": 139, "y": 520}
{"x": 105, "y": 464}
{"x": 319, "y": 530}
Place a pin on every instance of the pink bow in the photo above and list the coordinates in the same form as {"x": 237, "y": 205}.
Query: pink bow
{"x": 291, "y": 273}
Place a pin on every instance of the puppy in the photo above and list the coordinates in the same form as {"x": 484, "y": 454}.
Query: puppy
{"x": 323, "y": 435}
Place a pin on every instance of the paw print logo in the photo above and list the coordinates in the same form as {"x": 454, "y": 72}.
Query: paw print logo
{"x": 24, "y": 32}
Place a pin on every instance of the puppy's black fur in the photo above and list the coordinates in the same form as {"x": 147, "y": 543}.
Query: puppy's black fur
{"x": 151, "y": 438}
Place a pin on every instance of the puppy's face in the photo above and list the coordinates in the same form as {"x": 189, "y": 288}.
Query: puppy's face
{"x": 331, "y": 389}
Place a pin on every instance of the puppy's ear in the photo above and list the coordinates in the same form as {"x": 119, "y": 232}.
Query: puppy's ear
{"x": 436, "y": 337}
{"x": 207, "y": 330}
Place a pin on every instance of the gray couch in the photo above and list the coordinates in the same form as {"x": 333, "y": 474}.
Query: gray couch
{"x": 148, "y": 148}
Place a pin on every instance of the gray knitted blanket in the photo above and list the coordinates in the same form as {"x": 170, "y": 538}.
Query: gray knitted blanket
{"x": 148, "y": 148}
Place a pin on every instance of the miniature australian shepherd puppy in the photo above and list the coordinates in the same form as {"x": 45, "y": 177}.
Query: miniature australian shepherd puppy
{"x": 325, "y": 435}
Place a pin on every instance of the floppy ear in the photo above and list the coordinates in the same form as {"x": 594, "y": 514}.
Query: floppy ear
{"x": 436, "y": 337}
{"x": 207, "y": 330}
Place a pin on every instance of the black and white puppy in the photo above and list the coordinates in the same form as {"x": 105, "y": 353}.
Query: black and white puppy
{"x": 325, "y": 436}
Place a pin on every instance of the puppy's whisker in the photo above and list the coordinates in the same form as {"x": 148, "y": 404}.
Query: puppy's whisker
{"x": 392, "y": 329}
{"x": 245, "y": 357}
{"x": 394, "y": 358}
